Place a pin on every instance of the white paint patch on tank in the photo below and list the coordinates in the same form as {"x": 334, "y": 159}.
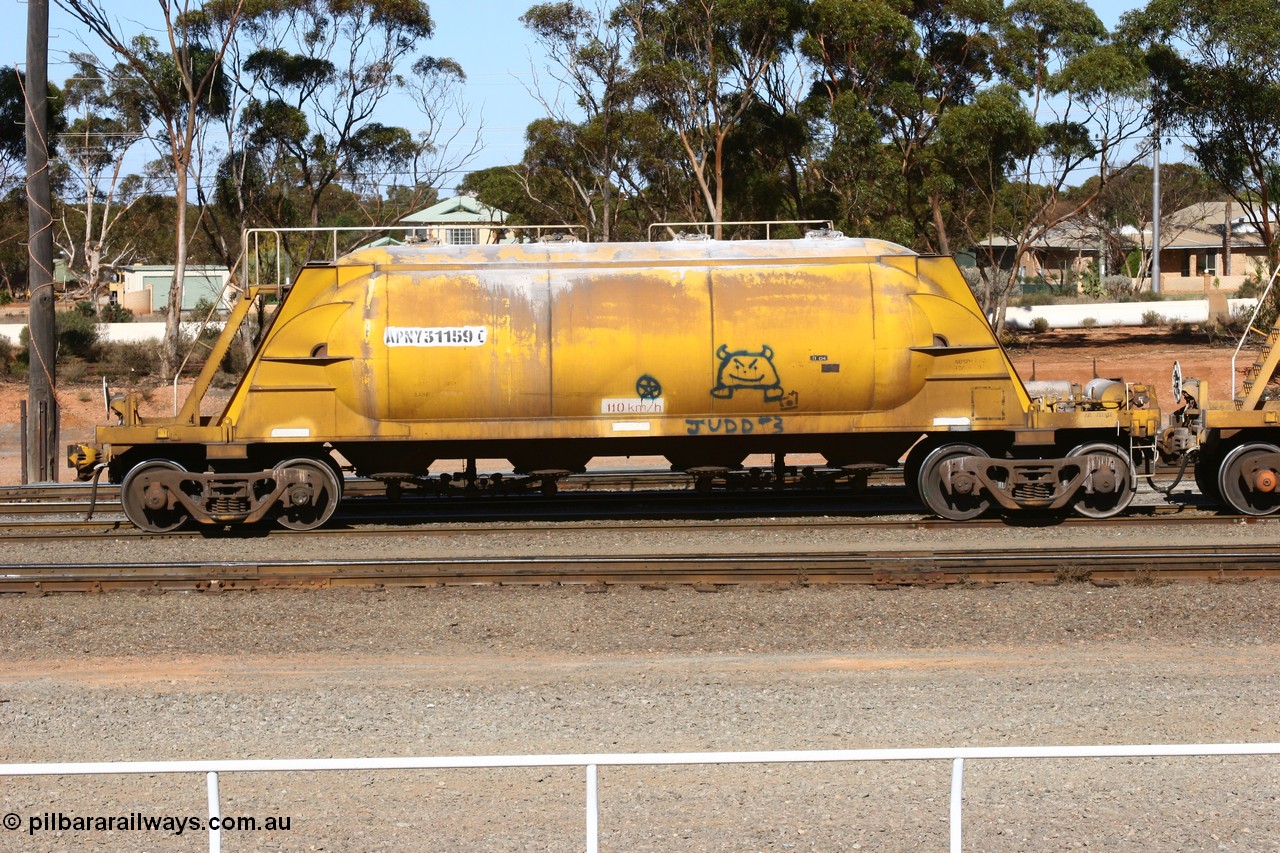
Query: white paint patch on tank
{"x": 1116, "y": 314}
{"x": 1060, "y": 388}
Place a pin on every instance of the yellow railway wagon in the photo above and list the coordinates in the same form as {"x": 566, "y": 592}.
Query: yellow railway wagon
{"x": 548, "y": 355}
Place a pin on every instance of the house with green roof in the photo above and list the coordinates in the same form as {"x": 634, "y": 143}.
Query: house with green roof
{"x": 462, "y": 220}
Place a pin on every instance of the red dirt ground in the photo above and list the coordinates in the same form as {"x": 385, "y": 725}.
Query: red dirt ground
{"x": 1137, "y": 355}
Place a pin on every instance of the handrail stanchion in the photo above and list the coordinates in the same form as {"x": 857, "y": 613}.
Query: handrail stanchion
{"x": 593, "y": 811}
{"x": 1257, "y": 309}
{"x": 957, "y": 803}
{"x": 215, "y": 811}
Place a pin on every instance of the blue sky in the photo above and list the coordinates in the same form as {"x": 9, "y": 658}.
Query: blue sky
{"x": 485, "y": 36}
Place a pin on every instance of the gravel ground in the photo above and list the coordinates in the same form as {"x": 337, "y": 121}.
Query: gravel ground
{"x": 461, "y": 671}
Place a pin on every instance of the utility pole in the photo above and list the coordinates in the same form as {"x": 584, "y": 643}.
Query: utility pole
{"x": 1155, "y": 213}
{"x": 42, "y": 415}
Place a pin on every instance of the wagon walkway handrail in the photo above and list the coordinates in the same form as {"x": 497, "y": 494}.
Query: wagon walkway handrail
{"x": 1244, "y": 336}
{"x": 592, "y": 761}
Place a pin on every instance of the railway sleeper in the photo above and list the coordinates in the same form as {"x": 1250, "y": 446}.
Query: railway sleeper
{"x": 1046, "y": 484}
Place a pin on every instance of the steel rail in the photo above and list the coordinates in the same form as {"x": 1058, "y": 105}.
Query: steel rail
{"x": 968, "y": 566}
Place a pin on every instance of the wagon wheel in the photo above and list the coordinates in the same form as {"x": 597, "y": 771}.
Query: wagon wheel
{"x": 964, "y": 500}
{"x": 911, "y": 467}
{"x": 313, "y": 500}
{"x": 1246, "y": 485}
{"x": 1114, "y": 483}
{"x": 146, "y": 500}
{"x": 1206, "y": 476}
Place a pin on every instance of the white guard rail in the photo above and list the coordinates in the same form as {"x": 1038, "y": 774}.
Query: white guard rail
{"x": 591, "y": 762}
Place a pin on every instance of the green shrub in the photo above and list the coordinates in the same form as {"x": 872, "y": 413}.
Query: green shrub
{"x": 77, "y": 337}
{"x": 8, "y": 355}
{"x": 1088, "y": 322}
{"x": 77, "y": 332}
{"x": 1152, "y": 318}
{"x": 1119, "y": 288}
{"x": 1090, "y": 282}
{"x": 72, "y": 369}
{"x": 1250, "y": 289}
{"x": 1133, "y": 263}
{"x": 1039, "y": 324}
{"x": 1009, "y": 338}
{"x": 206, "y": 307}
{"x": 223, "y": 379}
{"x": 127, "y": 361}
{"x": 113, "y": 312}
{"x": 6, "y": 297}
{"x": 1034, "y": 299}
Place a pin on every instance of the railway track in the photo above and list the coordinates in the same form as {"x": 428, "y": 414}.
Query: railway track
{"x": 1104, "y": 566}
{"x": 496, "y": 519}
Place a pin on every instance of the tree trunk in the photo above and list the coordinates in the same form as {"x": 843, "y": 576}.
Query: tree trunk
{"x": 172, "y": 322}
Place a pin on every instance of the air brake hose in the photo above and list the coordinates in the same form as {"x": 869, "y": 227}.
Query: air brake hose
{"x": 93, "y": 492}
{"x": 1182, "y": 470}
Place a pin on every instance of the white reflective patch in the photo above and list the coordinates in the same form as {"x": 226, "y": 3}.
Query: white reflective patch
{"x": 951, "y": 421}
{"x": 632, "y": 406}
{"x": 435, "y": 336}
{"x": 290, "y": 432}
{"x": 630, "y": 426}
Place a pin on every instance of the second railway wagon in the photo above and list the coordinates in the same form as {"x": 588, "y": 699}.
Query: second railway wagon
{"x": 550, "y": 354}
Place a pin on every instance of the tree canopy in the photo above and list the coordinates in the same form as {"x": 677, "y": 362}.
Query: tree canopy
{"x": 939, "y": 124}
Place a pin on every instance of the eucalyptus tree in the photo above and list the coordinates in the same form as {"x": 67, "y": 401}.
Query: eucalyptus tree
{"x": 179, "y": 74}
{"x": 1215, "y": 66}
{"x": 13, "y": 142}
{"x": 699, "y": 66}
{"x": 1088, "y": 95}
{"x": 14, "y": 258}
{"x": 446, "y": 140}
{"x": 587, "y": 47}
{"x": 888, "y": 72}
{"x": 110, "y": 120}
{"x": 324, "y": 69}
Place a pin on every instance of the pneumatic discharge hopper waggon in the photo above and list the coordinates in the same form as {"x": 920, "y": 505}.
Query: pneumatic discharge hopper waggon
{"x": 550, "y": 354}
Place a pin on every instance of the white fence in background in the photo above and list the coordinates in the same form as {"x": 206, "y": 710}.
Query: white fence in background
{"x": 592, "y": 762}
{"x": 1105, "y": 314}
{"x": 114, "y": 332}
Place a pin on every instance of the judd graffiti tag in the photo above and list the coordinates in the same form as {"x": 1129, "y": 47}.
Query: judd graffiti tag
{"x": 747, "y": 370}
{"x": 733, "y": 426}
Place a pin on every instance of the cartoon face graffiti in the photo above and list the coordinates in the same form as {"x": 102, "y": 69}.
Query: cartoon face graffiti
{"x": 745, "y": 369}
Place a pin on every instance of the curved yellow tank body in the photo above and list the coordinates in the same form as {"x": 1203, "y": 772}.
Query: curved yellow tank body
{"x": 630, "y": 340}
